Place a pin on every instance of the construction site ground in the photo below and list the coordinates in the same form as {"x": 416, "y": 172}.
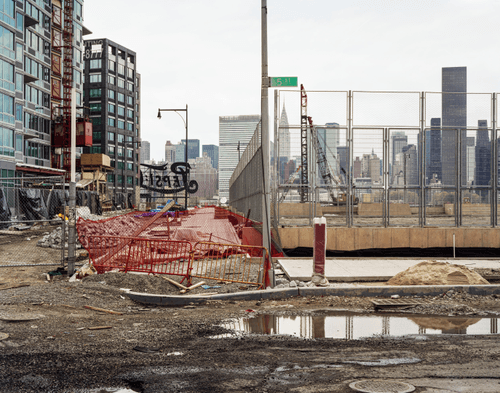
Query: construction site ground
{"x": 54, "y": 348}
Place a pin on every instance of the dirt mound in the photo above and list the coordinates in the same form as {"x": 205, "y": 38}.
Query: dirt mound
{"x": 437, "y": 273}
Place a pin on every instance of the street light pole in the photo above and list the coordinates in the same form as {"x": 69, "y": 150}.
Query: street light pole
{"x": 186, "y": 148}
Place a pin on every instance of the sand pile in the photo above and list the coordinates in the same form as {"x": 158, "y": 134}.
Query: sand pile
{"x": 437, "y": 273}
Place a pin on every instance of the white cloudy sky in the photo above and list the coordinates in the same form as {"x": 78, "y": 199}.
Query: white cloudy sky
{"x": 206, "y": 53}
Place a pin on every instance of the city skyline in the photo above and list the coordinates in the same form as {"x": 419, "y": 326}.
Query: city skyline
{"x": 238, "y": 77}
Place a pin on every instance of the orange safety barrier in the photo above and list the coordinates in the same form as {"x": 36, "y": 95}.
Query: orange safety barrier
{"x": 152, "y": 256}
{"x": 212, "y": 261}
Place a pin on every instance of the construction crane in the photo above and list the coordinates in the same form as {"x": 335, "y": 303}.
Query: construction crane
{"x": 325, "y": 171}
{"x": 61, "y": 135}
{"x": 290, "y": 180}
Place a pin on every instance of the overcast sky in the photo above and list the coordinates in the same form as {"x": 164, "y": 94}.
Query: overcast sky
{"x": 207, "y": 54}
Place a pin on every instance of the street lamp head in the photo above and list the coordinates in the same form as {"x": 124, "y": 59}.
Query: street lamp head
{"x": 159, "y": 114}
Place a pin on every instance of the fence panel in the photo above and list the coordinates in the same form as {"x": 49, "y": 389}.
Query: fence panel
{"x": 32, "y": 224}
{"x": 231, "y": 263}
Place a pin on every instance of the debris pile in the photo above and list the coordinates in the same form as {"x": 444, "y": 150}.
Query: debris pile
{"x": 437, "y": 273}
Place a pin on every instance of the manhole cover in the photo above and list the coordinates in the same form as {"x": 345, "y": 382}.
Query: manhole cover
{"x": 3, "y": 336}
{"x": 380, "y": 386}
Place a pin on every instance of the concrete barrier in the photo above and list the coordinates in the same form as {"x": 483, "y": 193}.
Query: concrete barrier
{"x": 358, "y": 238}
{"x": 299, "y": 209}
{"x": 469, "y": 209}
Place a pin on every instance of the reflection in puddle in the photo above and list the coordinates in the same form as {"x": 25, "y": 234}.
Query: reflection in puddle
{"x": 355, "y": 326}
{"x": 114, "y": 390}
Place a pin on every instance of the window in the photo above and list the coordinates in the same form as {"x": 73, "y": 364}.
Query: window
{"x": 19, "y": 21}
{"x": 19, "y": 143}
{"x": 96, "y": 136}
{"x": 6, "y": 142}
{"x": 121, "y": 124}
{"x": 130, "y": 166}
{"x": 111, "y": 108}
{"x": 19, "y": 112}
{"x": 7, "y": 42}
{"x": 121, "y": 138}
{"x": 95, "y": 107}
{"x": 130, "y": 86}
{"x": 120, "y": 152}
{"x": 130, "y": 100}
{"x": 130, "y": 113}
{"x": 111, "y": 122}
{"x": 130, "y": 180}
{"x": 121, "y": 110}
{"x": 130, "y": 126}
{"x": 95, "y": 63}
{"x": 128, "y": 139}
{"x": 111, "y": 150}
{"x": 19, "y": 82}
{"x": 121, "y": 69}
{"x": 111, "y": 136}
{"x": 113, "y": 163}
{"x": 120, "y": 165}
{"x": 130, "y": 153}
{"x": 112, "y": 65}
{"x": 111, "y": 94}
{"x": 130, "y": 73}
{"x": 111, "y": 178}
{"x": 95, "y": 78}
{"x": 120, "y": 179}
{"x": 111, "y": 80}
{"x": 121, "y": 97}
{"x": 95, "y": 149}
{"x": 77, "y": 76}
{"x": 94, "y": 93}
{"x": 97, "y": 121}
{"x": 121, "y": 83}
{"x": 19, "y": 51}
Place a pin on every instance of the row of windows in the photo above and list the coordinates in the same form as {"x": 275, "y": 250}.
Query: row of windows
{"x": 7, "y": 9}
{"x": 96, "y": 93}
{"x": 36, "y": 150}
{"x": 130, "y": 179}
{"x": 36, "y": 96}
{"x": 7, "y": 108}
{"x": 7, "y": 42}
{"x": 36, "y": 69}
{"x": 36, "y": 43}
{"x": 34, "y": 122}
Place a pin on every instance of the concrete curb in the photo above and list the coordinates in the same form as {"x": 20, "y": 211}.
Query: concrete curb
{"x": 285, "y": 293}
{"x": 406, "y": 290}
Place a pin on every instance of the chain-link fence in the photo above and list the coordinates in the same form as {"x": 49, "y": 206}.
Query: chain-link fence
{"x": 33, "y": 219}
{"x": 379, "y": 159}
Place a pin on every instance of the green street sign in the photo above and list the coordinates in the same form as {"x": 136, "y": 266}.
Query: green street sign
{"x": 283, "y": 81}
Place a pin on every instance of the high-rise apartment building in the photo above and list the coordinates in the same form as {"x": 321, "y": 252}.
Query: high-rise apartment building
{"x": 454, "y": 119}
{"x": 471, "y": 159}
{"x": 112, "y": 93}
{"x": 180, "y": 152}
{"x": 212, "y": 152}
{"x": 32, "y": 70}
{"x": 145, "y": 151}
{"x": 233, "y": 130}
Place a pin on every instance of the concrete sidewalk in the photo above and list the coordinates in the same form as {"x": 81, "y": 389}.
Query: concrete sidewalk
{"x": 368, "y": 269}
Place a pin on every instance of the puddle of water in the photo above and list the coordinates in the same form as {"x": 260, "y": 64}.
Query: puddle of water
{"x": 114, "y": 390}
{"x": 356, "y": 326}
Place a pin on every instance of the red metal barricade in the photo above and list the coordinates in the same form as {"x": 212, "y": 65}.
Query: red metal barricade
{"x": 152, "y": 256}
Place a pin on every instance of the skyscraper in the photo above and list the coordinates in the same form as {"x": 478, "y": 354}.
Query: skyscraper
{"x": 482, "y": 155}
{"x": 328, "y": 137}
{"x": 233, "y": 129}
{"x": 145, "y": 151}
{"x": 170, "y": 152}
{"x": 434, "y": 167}
{"x": 399, "y": 140}
{"x": 212, "y": 152}
{"x": 454, "y": 116}
{"x": 193, "y": 148}
{"x": 284, "y": 137}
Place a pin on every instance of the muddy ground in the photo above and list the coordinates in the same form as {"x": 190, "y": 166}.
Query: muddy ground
{"x": 151, "y": 349}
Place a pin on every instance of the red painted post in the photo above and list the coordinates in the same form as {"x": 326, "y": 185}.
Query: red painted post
{"x": 319, "y": 253}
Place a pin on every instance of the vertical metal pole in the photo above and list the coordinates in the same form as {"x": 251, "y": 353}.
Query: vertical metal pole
{"x": 72, "y": 190}
{"x": 266, "y": 211}
{"x": 275, "y": 196}
{"x": 186, "y": 157}
{"x": 422, "y": 166}
{"x": 494, "y": 162}
{"x": 458, "y": 196}
{"x": 350, "y": 149}
{"x": 385, "y": 177}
